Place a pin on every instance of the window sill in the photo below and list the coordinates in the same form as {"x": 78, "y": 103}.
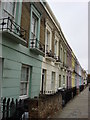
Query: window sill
{"x": 23, "y": 97}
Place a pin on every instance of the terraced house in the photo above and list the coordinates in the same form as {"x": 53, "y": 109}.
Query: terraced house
{"x": 36, "y": 57}
{"x": 21, "y": 50}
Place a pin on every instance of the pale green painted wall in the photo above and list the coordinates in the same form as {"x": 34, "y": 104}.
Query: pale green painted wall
{"x": 14, "y": 55}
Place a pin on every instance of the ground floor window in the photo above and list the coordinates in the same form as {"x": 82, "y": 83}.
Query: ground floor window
{"x": 59, "y": 80}
{"x": 24, "y": 82}
{"x": 63, "y": 80}
{"x": 53, "y": 81}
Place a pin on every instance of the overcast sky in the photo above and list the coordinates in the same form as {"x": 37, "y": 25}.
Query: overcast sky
{"x": 73, "y": 19}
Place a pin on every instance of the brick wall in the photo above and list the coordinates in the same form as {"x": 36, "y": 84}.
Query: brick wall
{"x": 46, "y": 106}
{"x": 25, "y": 18}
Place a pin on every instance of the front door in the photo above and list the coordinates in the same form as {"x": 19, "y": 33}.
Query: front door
{"x": 43, "y": 81}
{"x": 67, "y": 82}
{"x": 53, "y": 82}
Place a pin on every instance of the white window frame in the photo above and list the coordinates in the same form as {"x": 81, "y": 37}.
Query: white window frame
{"x": 25, "y": 96}
{"x": 48, "y": 40}
{"x": 49, "y": 29}
{"x": 53, "y": 77}
{"x": 61, "y": 53}
{"x": 63, "y": 79}
{"x": 6, "y": 4}
{"x": 55, "y": 47}
{"x": 37, "y": 14}
{"x": 65, "y": 56}
{"x": 60, "y": 84}
{"x": 35, "y": 26}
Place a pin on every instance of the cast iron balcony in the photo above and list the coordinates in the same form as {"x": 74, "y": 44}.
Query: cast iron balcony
{"x": 65, "y": 65}
{"x": 50, "y": 55}
{"x": 12, "y": 30}
{"x": 69, "y": 69}
{"x": 58, "y": 60}
{"x": 37, "y": 47}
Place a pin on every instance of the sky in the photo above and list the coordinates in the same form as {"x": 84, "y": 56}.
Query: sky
{"x": 73, "y": 18}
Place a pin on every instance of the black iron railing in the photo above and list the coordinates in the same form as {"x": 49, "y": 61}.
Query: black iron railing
{"x": 57, "y": 58}
{"x": 50, "y": 54}
{"x": 10, "y": 25}
{"x": 65, "y": 65}
{"x": 81, "y": 88}
{"x": 34, "y": 43}
{"x": 67, "y": 95}
{"x": 14, "y": 109}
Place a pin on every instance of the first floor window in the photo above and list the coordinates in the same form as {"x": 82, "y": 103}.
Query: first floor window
{"x": 61, "y": 53}
{"x": 48, "y": 41}
{"x": 24, "y": 83}
{"x": 34, "y": 27}
{"x": 55, "y": 48}
{"x": 9, "y": 9}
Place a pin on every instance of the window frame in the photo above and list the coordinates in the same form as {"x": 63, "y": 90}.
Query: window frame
{"x": 55, "y": 47}
{"x": 53, "y": 81}
{"x": 60, "y": 85}
{"x": 27, "y": 91}
{"x": 44, "y": 77}
{"x": 48, "y": 40}
{"x": 61, "y": 53}
{"x": 6, "y": 4}
{"x": 63, "y": 79}
{"x": 35, "y": 26}
{"x": 48, "y": 29}
{"x": 35, "y": 12}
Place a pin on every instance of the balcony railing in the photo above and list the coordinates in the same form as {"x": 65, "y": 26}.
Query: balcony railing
{"x": 11, "y": 26}
{"x": 37, "y": 46}
{"x": 57, "y": 59}
{"x": 49, "y": 53}
{"x": 65, "y": 65}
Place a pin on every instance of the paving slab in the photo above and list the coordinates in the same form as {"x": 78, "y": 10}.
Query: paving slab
{"x": 77, "y": 107}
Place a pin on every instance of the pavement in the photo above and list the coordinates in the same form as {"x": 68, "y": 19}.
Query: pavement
{"x": 77, "y": 107}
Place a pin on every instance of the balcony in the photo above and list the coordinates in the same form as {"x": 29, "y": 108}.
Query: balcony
{"x": 12, "y": 30}
{"x": 58, "y": 60}
{"x": 37, "y": 47}
{"x": 70, "y": 69}
{"x": 65, "y": 65}
{"x": 50, "y": 56}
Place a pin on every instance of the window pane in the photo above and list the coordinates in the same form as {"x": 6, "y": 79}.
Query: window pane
{"x": 59, "y": 80}
{"x": 9, "y": 8}
{"x": 34, "y": 26}
{"x": 24, "y": 80}
{"x": 48, "y": 41}
{"x": 63, "y": 79}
